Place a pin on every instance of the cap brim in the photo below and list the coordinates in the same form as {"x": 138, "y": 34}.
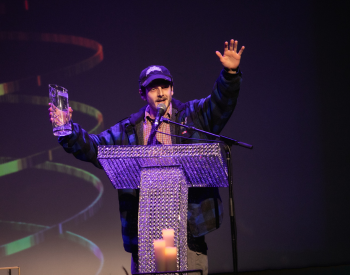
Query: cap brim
{"x": 155, "y": 76}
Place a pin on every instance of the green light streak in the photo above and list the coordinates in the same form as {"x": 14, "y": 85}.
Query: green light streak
{"x": 28, "y": 242}
{"x": 9, "y": 167}
{"x": 19, "y": 245}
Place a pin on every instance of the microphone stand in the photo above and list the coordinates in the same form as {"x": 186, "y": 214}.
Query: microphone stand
{"x": 228, "y": 144}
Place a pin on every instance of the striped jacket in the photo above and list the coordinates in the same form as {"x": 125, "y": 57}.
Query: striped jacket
{"x": 209, "y": 114}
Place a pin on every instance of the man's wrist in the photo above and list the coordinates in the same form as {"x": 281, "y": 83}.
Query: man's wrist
{"x": 231, "y": 71}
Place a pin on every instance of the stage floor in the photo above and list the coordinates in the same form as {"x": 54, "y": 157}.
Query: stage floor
{"x": 326, "y": 270}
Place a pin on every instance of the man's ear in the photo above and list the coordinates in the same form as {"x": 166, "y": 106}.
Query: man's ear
{"x": 142, "y": 94}
{"x": 172, "y": 90}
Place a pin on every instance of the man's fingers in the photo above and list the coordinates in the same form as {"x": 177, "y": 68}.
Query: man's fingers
{"x": 52, "y": 117}
{"x": 231, "y": 44}
{"x": 218, "y": 54}
{"x": 235, "y": 46}
{"x": 50, "y": 113}
{"x": 54, "y": 108}
{"x": 56, "y": 115}
{"x": 241, "y": 50}
{"x": 226, "y": 46}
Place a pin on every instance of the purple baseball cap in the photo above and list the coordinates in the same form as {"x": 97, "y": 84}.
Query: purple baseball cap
{"x": 154, "y": 72}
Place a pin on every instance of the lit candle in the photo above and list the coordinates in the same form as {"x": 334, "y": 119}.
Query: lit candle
{"x": 168, "y": 237}
{"x": 159, "y": 255}
{"x": 170, "y": 258}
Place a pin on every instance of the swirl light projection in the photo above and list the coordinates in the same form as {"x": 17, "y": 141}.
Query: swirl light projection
{"x": 75, "y": 69}
{"x": 42, "y": 160}
{"x": 38, "y": 237}
{"x": 27, "y": 241}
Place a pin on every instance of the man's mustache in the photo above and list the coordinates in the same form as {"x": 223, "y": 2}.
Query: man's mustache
{"x": 161, "y": 99}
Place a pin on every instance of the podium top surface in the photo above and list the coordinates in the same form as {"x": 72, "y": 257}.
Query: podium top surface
{"x": 203, "y": 164}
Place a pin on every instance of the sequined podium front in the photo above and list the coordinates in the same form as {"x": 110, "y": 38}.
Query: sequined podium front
{"x": 163, "y": 173}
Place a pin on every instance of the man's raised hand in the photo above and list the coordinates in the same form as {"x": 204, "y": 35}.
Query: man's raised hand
{"x": 231, "y": 58}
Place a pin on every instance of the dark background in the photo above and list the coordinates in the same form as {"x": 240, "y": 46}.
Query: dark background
{"x": 291, "y": 191}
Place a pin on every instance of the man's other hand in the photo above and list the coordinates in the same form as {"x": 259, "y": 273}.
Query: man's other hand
{"x": 231, "y": 58}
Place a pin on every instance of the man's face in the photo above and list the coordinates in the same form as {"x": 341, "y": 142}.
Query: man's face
{"x": 158, "y": 91}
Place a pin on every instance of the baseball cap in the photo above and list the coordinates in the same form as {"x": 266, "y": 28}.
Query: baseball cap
{"x": 154, "y": 72}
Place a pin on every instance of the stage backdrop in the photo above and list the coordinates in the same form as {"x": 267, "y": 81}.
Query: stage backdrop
{"x": 59, "y": 215}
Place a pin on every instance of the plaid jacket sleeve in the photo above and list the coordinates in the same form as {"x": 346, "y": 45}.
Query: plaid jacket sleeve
{"x": 205, "y": 210}
{"x": 84, "y": 146}
{"x": 214, "y": 111}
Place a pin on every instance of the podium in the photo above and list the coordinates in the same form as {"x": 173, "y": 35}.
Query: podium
{"x": 163, "y": 174}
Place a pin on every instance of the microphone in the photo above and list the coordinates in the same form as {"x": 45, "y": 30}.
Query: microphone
{"x": 161, "y": 108}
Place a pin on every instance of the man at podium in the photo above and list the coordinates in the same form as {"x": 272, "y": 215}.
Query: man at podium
{"x": 209, "y": 114}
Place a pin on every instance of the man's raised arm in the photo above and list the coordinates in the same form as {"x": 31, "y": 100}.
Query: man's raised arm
{"x": 215, "y": 110}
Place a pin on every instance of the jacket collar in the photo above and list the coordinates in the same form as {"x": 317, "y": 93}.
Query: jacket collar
{"x": 178, "y": 105}
{"x": 137, "y": 117}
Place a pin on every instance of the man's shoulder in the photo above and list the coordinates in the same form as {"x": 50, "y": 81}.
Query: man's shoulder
{"x": 179, "y": 106}
{"x": 125, "y": 120}
{"x": 134, "y": 118}
{"x": 191, "y": 105}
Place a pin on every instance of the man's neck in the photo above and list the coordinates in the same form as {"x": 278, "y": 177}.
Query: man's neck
{"x": 152, "y": 113}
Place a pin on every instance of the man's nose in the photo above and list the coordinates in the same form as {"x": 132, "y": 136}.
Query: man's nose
{"x": 160, "y": 91}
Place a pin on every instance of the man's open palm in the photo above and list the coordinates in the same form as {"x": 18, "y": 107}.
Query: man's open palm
{"x": 231, "y": 58}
